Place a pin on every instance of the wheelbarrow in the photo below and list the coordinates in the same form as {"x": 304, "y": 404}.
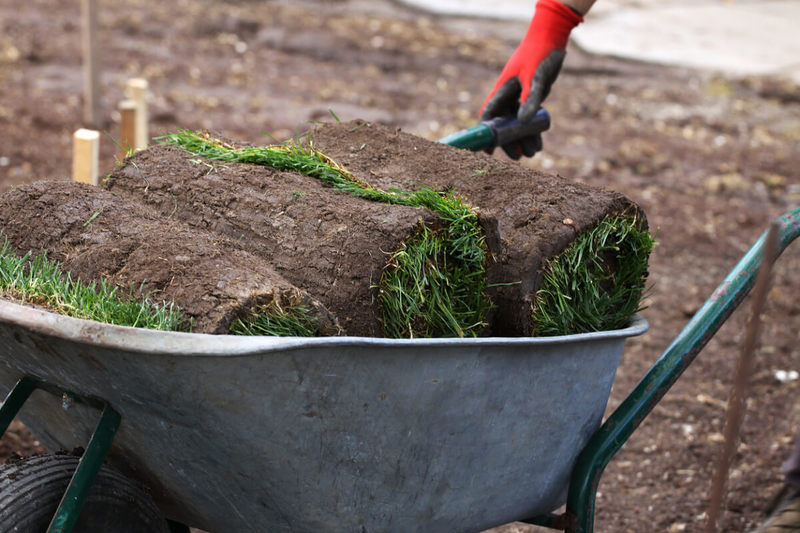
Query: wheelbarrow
{"x": 344, "y": 434}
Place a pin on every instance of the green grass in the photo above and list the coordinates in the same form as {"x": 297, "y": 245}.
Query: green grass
{"x": 434, "y": 284}
{"x": 427, "y": 289}
{"x": 38, "y": 280}
{"x": 597, "y": 283}
{"x": 286, "y": 156}
{"x": 297, "y": 321}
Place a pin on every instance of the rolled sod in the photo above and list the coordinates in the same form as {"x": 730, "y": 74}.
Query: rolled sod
{"x": 481, "y": 261}
{"x": 391, "y": 234}
{"x": 531, "y": 221}
{"x": 99, "y": 236}
{"x": 333, "y": 244}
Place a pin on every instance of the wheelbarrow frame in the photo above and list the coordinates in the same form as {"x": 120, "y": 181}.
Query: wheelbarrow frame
{"x": 91, "y": 460}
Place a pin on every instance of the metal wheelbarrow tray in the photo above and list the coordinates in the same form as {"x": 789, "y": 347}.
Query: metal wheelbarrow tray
{"x": 324, "y": 434}
{"x": 344, "y": 434}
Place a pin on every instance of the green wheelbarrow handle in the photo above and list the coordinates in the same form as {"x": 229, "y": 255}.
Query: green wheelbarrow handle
{"x": 579, "y": 515}
{"x": 498, "y": 132}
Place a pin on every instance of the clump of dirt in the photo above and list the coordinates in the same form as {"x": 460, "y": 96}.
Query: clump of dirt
{"x": 335, "y": 245}
{"x": 221, "y": 238}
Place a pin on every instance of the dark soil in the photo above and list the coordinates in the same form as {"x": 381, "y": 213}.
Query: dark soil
{"x": 98, "y": 235}
{"x": 710, "y": 159}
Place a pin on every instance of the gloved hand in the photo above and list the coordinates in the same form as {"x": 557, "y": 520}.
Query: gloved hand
{"x": 526, "y": 79}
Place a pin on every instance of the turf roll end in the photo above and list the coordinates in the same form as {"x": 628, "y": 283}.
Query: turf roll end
{"x": 597, "y": 282}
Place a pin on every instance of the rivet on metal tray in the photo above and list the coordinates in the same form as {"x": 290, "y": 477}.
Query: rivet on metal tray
{"x": 66, "y": 401}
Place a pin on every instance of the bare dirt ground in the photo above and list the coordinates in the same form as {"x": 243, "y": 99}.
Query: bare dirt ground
{"x": 711, "y": 160}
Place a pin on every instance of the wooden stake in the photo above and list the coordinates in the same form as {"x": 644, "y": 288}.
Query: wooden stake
{"x": 91, "y": 78}
{"x": 136, "y": 90}
{"x": 127, "y": 128}
{"x": 744, "y": 369}
{"x": 85, "y": 156}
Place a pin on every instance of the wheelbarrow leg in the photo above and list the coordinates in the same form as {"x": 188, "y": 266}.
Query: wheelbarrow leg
{"x": 14, "y": 402}
{"x": 89, "y": 465}
{"x": 84, "y": 476}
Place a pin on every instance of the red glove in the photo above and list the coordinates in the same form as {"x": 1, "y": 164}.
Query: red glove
{"x": 526, "y": 79}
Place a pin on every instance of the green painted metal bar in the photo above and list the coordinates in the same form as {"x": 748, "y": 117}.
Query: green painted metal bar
{"x": 585, "y": 479}
{"x": 553, "y": 521}
{"x": 81, "y": 483}
{"x": 92, "y": 460}
{"x": 476, "y": 138}
{"x": 498, "y": 131}
{"x": 14, "y": 402}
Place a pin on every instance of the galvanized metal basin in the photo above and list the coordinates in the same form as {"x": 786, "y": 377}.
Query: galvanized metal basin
{"x": 329, "y": 434}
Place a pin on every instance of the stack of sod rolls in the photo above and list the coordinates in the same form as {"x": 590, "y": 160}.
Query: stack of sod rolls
{"x": 360, "y": 228}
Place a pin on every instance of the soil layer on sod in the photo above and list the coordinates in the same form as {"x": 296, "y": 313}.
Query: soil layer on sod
{"x": 528, "y": 216}
{"x": 333, "y": 245}
{"x": 98, "y": 235}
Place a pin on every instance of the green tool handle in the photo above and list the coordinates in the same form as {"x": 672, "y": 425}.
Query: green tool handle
{"x": 498, "y": 132}
{"x": 663, "y": 374}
